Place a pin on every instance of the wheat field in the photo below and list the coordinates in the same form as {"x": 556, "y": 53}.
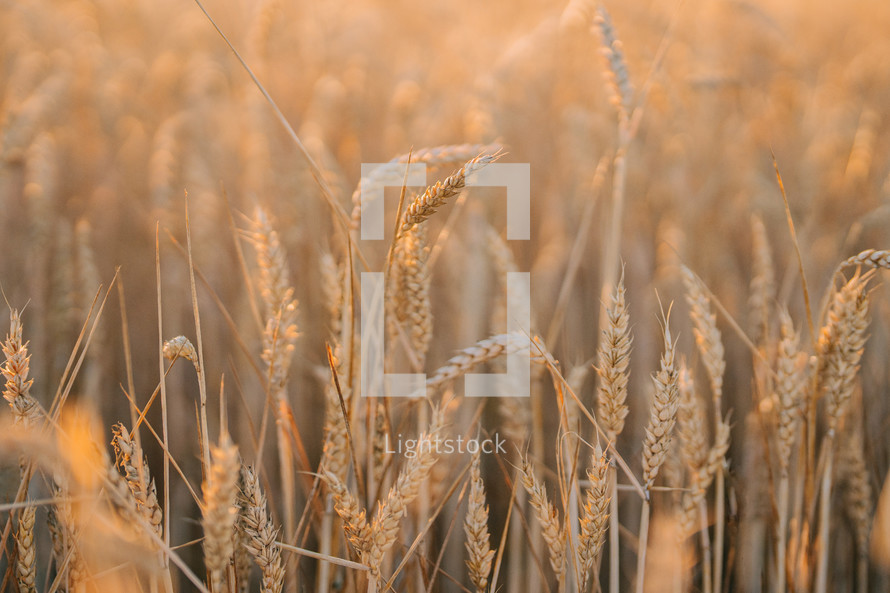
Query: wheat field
{"x": 704, "y": 335}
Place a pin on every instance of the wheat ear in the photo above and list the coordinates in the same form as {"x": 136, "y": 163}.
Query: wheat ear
{"x": 763, "y": 281}
{"x": 385, "y": 527}
{"x": 17, "y": 391}
{"x": 254, "y": 523}
{"x": 26, "y": 560}
{"x": 858, "y": 497}
{"x": 409, "y": 301}
{"x": 435, "y": 196}
{"x": 434, "y": 157}
{"x": 702, "y": 478}
{"x": 790, "y": 384}
{"x": 553, "y": 533}
{"x": 614, "y": 358}
{"x": 616, "y": 75}
{"x": 483, "y": 351}
{"x": 595, "y": 517}
{"x": 839, "y": 348}
{"x": 664, "y": 412}
{"x": 479, "y": 552}
{"x": 355, "y": 523}
{"x": 658, "y": 438}
{"x": 279, "y": 343}
{"x": 130, "y": 458}
{"x": 875, "y": 258}
{"x": 219, "y": 511}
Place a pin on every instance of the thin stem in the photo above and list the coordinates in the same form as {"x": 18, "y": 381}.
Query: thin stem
{"x": 614, "y": 534}
{"x": 641, "y": 547}
{"x": 705, "y": 546}
{"x": 825, "y": 517}
{"x": 719, "y": 517}
{"x": 781, "y": 535}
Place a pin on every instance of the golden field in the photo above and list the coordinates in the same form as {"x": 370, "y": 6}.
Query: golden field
{"x": 707, "y": 326}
